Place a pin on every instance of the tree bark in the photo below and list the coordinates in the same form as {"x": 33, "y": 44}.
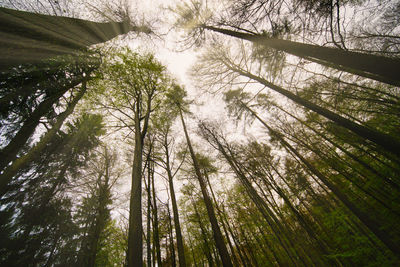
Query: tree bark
{"x": 30, "y": 37}
{"x": 375, "y": 67}
{"x": 171, "y": 236}
{"x": 135, "y": 241}
{"x": 178, "y": 231}
{"x": 135, "y": 231}
{"x": 207, "y": 246}
{"x": 155, "y": 217}
{"x": 384, "y": 140}
{"x": 149, "y": 218}
{"x": 219, "y": 240}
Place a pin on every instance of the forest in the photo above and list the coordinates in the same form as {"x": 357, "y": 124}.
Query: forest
{"x": 199, "y": 133}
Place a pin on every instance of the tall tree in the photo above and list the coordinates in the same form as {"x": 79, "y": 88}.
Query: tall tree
{"x": 163, "y": 125}
{"x": 370, "y": 66}
{"x": 156, "y": 225}
{"x": 176, "y": 97}
{"x": 130, "y": 92}
{"x": 41, "y": 188}
{"x": 38, "y": 148}
{"x": 384, "y": 140}
{"x": 31, "y": 37}
{"x": 31, "y": 111}
{"x": 95, "y": 207}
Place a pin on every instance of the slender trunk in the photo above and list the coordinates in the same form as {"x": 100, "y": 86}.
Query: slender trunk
{"x": 270, "y": 246}
{"x": 357, "y": 159}
{"x": 384, "y": 140}
{"x": 179, "y": 239}
{"x": 379, "y": 196}
{"x": 35, "y": 151}
{"x": 249, "y": 247}
{"x": 171, "y": 237}
{"x": 219, "y": 240}
{"x": 260, "y": 204}
{"x": 304, "y": 222}
{"x": 190, "y": 244}
{"x": 149, "y": 217}
{"x": 155, "y": 216}
{"x": 135, "y": 231}
{"x": 204, "y": 235}
{"x": 234, "y": 237}
{"x": 153, "y": 253}
{"x": 219, "y": 212}
{"x": 370, "y": 66}
{"x": 282, "y": 236}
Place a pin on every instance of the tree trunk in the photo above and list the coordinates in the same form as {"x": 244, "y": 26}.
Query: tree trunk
{"x": 155, "y": 216}
{"x": 234, "y": 237}
{"x": 35, "y": 151}
{"x": 375, "y": 67}
{"x": 135, "y": 241}
{"x": 219, "y": 240}
{"x": 149, "y": 218}
{"x": 219, "y": 212}
{"x": 357, "y": 159}
{"x": 171, "y": 237}
{"x": 30, "y": 37}
{"x": 384, "y": 140}
{"x": 207, "y": 246}
{"x": 179, "y": 239}
{"x": 268, "y": 215}
{"x": 190, "y": 242}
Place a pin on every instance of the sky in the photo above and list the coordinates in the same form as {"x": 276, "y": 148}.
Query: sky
{"x": 178, "y": 63}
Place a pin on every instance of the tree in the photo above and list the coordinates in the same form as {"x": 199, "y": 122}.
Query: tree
{"x": 94, "y": 210}
{"x": 42, "y": 105}
{"x": 130, "y": 92}
{"x": 176, "y": 97}
{"x": 163, "y": 124}
{"x": 36, "y": 37}
{"x": 38, "y": 148}
{"x": 384, "y": 140}
{"x": 113, "y": 245}
{"x": 370, "y": 66}
{"x": 41, "y": 189}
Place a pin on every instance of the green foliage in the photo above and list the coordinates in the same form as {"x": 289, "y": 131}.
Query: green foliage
{"x": 37, "y": 212}
{"x": 175, "y": 98}
{"x": 113, "y": 243}
{"x": 236, "y": 99}
{"x": 25, "y": 87}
